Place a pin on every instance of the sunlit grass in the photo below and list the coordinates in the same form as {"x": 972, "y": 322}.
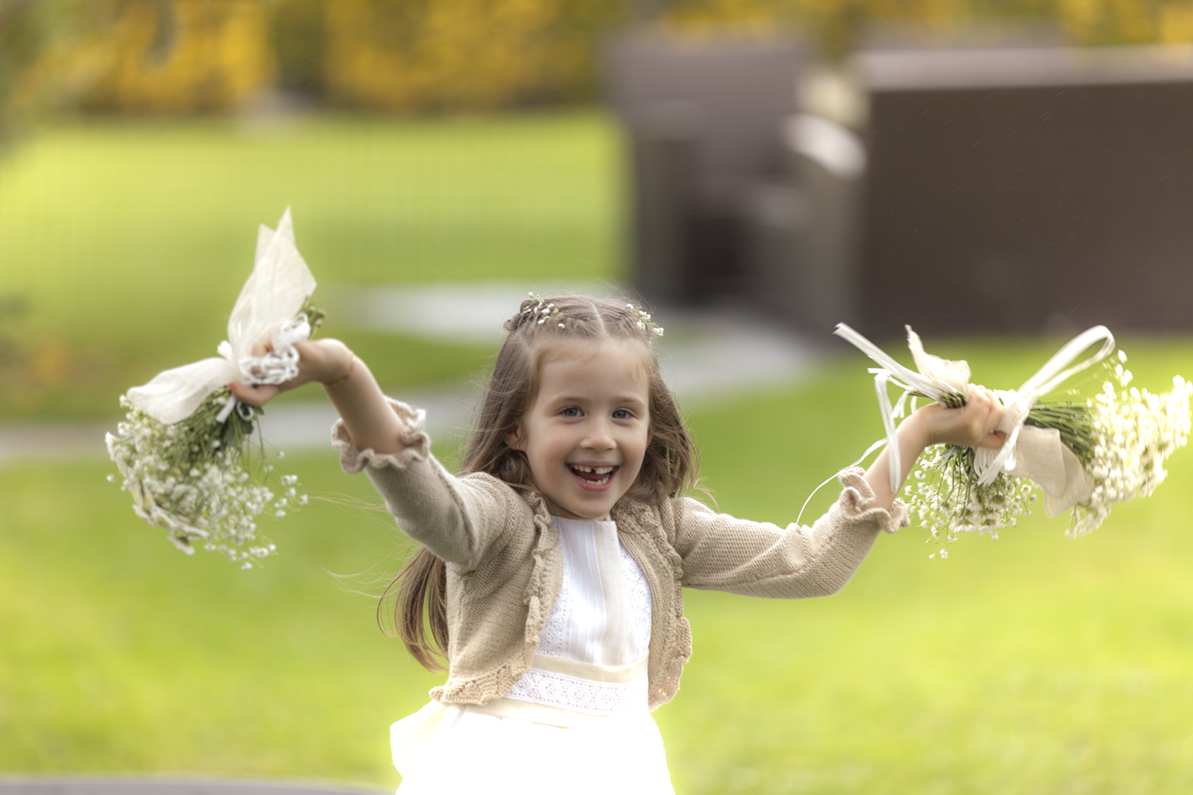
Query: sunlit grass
{"x": 121, "y": 655}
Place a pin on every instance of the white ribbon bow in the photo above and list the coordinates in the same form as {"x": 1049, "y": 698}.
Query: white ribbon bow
{"x": 936, "y": 378}
{"x": 1035, "y": 453}
{"x": 267, "y": 310}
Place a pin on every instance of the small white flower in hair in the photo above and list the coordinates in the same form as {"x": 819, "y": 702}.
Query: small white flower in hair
{"x": 540, "y": 310}
{"x": 644, "y": 322}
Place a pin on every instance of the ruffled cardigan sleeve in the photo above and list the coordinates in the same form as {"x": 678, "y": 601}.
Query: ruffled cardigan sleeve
{"x": 723, "y": 553}
{"x": 457, "y": 520}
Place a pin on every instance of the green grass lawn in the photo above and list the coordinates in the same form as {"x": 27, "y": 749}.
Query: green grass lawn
{"x": 124, "y": 245}
{"x": 1034, "y": 664}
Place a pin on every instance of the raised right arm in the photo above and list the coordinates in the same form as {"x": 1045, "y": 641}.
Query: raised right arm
{"x": 457, "y": 519}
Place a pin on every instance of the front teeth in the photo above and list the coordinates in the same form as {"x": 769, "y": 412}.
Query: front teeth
{"x": 603, "y": 474}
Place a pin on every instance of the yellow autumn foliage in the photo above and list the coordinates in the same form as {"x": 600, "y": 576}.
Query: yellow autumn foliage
{"x": 832, "y": 25}
{"x": 186, "y": 56}
{"x": 470, "y": 53}
{"x": 458, "y": 53}
{"x": 1127, "y": 21}
{"x": 180, "y": 56}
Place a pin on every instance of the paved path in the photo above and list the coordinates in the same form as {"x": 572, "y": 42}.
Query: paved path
{"x": 706, "y": 357}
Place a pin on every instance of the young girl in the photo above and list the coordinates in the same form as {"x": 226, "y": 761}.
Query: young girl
{"x": 552, "y": 567}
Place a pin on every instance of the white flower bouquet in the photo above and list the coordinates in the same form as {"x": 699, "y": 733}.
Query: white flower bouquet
{"x": 191, "y": 454}
{"x": 1084, "y": 456}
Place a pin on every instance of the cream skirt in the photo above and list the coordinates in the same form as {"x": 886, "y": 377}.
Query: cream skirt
{"x": 462, "y": 749}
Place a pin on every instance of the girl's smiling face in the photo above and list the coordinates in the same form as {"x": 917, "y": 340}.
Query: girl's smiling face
{"x": 586, "y": 431}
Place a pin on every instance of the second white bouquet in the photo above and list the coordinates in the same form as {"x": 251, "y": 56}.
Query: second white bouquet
{"x": 1085, "y": 456}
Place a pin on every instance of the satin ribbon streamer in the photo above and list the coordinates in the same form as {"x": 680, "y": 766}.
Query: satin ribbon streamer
{"x": 268, "y": 309}
{"x": 1042, "y": 456}
{"x": 935, "y": 378}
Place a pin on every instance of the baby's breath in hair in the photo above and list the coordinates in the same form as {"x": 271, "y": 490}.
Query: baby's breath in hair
{"x": 644, "y": 321}
{"x": 540, "y": 311}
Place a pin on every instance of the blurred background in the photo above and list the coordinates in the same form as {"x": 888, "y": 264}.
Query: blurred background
{"x": 1000, "y": 174}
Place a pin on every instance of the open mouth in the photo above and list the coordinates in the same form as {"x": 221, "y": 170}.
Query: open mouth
{"x": 596, "y": 476}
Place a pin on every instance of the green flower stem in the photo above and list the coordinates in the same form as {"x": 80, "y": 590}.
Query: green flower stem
{"x": 1071, "y": 419}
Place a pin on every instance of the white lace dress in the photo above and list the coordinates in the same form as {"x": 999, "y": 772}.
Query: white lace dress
{"x": 577, "y": 721}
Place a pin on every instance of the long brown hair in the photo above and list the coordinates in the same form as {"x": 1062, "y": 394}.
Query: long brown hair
{"x": 670, "y": 465}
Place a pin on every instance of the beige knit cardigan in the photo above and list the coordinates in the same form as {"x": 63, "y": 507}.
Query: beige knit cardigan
{"x": 505, "y": 566}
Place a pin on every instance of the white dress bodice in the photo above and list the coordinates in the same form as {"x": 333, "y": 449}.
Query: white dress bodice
{"x": 601, "y": 619}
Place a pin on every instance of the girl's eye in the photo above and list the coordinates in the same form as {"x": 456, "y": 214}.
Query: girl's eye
{"x": 623, "y": 414}
{"x": 571, "y": 411}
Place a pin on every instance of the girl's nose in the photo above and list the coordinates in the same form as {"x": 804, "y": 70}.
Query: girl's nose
{"x": 599, "y": 436}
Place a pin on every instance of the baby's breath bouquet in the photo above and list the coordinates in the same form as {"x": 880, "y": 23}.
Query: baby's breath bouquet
{"x": 190, "y": 453}
{"x": 1085, "y": 456}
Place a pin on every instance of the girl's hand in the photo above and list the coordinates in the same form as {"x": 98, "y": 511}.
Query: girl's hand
{"x": 370, "y": 420}
{"x": 972, "y": 425}
{"x": 324, "y": 361}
